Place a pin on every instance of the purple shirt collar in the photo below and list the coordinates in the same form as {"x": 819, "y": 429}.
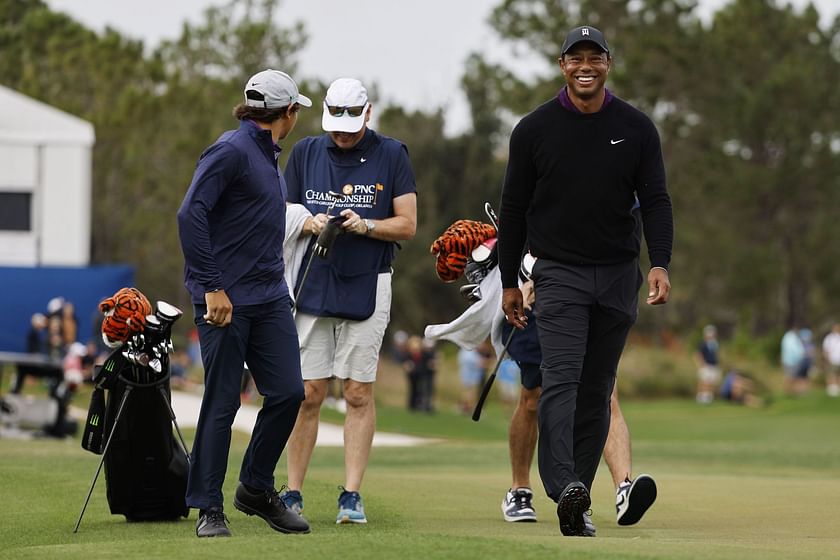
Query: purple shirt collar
{"x": 563, "y": 97}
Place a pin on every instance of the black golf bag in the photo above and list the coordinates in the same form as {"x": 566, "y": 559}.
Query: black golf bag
{"x": 145, "y": 465}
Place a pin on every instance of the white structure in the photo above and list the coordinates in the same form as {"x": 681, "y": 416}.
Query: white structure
{"x": 45, "y": 184}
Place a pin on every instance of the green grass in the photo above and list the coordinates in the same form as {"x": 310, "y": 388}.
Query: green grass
{"x": 734, "y": 483}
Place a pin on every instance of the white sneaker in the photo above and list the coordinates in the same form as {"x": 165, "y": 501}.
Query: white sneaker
{"x": 633, "y": 498}
{"x": 517, "y": 505}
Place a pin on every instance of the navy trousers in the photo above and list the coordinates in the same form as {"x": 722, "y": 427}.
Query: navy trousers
{"x": 584, "y": 314}
{"x": 265, "y": 337}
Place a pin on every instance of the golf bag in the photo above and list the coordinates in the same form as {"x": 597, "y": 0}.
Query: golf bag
{"x": 145, "y": 466}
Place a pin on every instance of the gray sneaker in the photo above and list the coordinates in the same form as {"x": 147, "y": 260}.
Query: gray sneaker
{"x": 212, "y": 523}
{"x": 588, "y": 526}
{"x": 517, "y": 505}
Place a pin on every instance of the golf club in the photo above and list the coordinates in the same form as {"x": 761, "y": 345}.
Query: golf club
{"x": 329, "y": 239}
{"x": 489, "y": 383}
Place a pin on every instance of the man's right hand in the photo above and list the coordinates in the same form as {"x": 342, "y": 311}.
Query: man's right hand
{"x": 512, "y": 307}
{"x": 219, "y": 308}
{"x": 315, "y": 225}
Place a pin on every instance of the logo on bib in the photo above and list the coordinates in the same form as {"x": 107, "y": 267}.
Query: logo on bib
{"x": 355, "y": 196}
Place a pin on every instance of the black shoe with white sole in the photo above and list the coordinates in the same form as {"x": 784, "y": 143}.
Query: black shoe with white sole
{"x": 633, "y": 498}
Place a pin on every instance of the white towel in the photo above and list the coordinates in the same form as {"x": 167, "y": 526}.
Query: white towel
{"x": 294, "y": 246}
{"x": 480, "y": 320}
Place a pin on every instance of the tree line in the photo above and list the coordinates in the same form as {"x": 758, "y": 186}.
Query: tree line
{"x": 746, "y": 105}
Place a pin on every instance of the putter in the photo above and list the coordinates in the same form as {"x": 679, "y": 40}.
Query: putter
{"x": 335, "y": 198}
{"x": 489, "y": 383}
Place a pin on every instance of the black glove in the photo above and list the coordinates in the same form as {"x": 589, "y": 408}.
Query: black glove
{"x": 327, "y": 237}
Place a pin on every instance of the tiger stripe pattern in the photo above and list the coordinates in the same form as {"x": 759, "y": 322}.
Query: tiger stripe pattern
{"x": 125, "y": 315}
{"x": 453, "y": 248}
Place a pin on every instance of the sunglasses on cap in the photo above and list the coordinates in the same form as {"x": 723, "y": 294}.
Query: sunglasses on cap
{"x": 337, "y": 111}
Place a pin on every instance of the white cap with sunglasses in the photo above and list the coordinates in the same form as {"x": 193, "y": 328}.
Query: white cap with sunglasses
{"x": 345, "y": 106}
{"x": 273, "y": 89}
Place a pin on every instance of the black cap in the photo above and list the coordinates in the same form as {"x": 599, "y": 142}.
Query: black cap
{"x": 585, "y": 33}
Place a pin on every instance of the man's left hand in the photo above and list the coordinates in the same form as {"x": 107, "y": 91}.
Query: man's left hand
{"x": 353, "y": 223}
{"x": 659, "y": 286}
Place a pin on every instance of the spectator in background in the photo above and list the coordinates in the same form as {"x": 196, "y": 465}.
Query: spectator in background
{"x": 399, "y": 343}
{"x": 794, "y": 356}
{"x": 427, "y": 385}
{"x": 810, "y": 356}
{"x": 194, "y": 346}
{"x": 419, "y": 365}
{"x": 69, "y": 324}
{"x": 508, "y": 379}
{"x": 472, "y": 365}
{"x": 708, "y": 365}
{"x": 36, "y": 343}
{"x": 55, "y": 329}
{"x": 740, "y": 388}
{"x": 831, "y": 353}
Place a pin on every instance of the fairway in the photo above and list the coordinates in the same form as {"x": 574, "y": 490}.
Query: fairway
{"x": 734, "y": 483}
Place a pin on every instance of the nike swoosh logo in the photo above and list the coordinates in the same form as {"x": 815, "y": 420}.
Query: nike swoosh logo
{"x": 362, "y": 160}
{"x": 621, "y": 501}
{"x": 255, "y": 83}
{"x": 614, "y": 142}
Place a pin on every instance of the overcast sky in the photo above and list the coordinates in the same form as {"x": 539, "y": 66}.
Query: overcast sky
{"x": 415, "y": 51}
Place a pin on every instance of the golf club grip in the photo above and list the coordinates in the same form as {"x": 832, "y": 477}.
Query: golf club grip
{"x": 484, "y": 392}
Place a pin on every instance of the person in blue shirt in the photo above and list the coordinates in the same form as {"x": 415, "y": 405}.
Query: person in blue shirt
{"x": 344, "y": 300}
{"x": 231, "y": 225}
{"x": 707, "y": 359}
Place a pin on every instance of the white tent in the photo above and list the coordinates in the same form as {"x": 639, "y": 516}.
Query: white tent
{"x": 45, "y": 184}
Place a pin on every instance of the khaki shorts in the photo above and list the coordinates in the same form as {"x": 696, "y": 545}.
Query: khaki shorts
{"x": 334, "y": 347}
{"x": 709, "y": 374}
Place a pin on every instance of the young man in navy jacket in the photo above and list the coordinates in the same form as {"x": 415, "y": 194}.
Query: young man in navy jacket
{"x": 231, "y": 224}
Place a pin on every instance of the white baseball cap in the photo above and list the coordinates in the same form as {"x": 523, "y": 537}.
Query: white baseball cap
{"x": 273, "y": 89}
{"x": 344, "y": 94}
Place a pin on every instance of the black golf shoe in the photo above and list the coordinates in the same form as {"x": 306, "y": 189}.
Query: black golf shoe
{"x": 571, "y": 507}
{"x": 268, "y": 505}
{"x": 212, "y": 523}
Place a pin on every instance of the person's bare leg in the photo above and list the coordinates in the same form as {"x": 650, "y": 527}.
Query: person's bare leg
{"x": 302, "y": 441}
{"x": 522, "y": 437}
{"x": 617, "y": 451}
{"x": 359, "y": 426}
{"x": 633, "y": 496}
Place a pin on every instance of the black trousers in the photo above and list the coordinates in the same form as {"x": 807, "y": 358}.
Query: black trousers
{"x": 265, "y": 337}
{"x": 584, "y": 314}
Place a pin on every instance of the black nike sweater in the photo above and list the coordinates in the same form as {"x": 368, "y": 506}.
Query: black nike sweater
{"x": 571, "y": 184}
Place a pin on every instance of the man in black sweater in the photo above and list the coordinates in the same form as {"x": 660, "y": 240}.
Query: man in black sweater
{"x": 578, "y": 163}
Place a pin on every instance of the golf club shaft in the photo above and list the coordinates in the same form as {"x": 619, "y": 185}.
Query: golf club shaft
{"x": 489, "y": 383}
{"x": 336, "y": 197}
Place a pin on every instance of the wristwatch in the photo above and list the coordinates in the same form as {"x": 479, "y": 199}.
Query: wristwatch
{"x": 370, "y": 226}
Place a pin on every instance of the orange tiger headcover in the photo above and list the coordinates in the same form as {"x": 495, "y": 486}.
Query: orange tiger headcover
{"x": 125, "y": 315}
{"x": 453, "y": 248}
